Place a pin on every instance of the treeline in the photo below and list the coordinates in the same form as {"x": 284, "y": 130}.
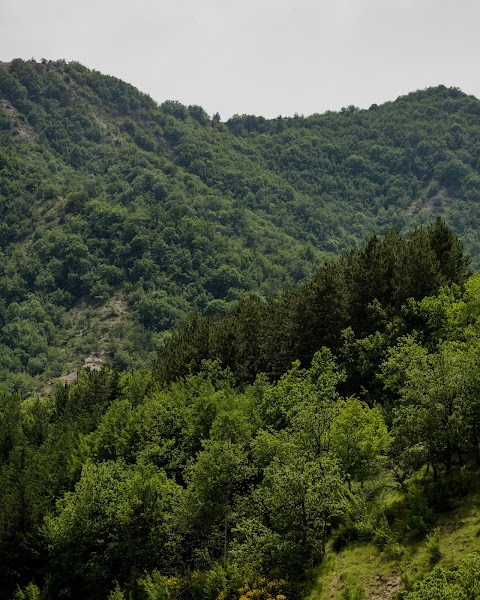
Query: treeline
{"x": 358, "y": 296}
{"x": 132, "y": 486}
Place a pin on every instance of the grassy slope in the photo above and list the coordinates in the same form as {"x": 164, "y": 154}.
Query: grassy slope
{"x": 363, "y": 567}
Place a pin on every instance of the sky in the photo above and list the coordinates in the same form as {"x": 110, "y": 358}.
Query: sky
{"x": 262, "y": 57}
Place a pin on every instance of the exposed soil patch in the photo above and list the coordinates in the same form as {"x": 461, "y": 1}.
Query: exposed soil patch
{"x": 106, "y": 317}
{"x": 94, "y": 361}
{"x": 23, "y": 129}
{"x": 107, "y": 131}
{"x": 69, "y": 377}
{"x": 386, "y": 587}
{"x": 114, "y": 309}
{"x": 432, "y": 205}
{"x": 334, "y": 585}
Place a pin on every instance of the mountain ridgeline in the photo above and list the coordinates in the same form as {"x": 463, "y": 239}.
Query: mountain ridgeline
{"x": 119, "y": 215}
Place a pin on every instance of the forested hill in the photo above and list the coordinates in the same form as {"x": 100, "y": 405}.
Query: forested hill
{"x": 119, "y": 215}
{"x": 123, "y": 486}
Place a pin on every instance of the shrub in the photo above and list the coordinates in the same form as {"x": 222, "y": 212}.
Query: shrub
{"x": 432, "y": 544}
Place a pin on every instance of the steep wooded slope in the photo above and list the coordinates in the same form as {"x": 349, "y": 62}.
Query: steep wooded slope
{"x": 118, "y": 215}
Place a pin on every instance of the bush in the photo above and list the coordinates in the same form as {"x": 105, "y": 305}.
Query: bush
{"x": 394, "y": 550}
{"x": 31, "y": 592}
{"x": 345, "y": 533}
{"x": 432, "y": 544}
{"x": 117, "y": 593}
{"x": 444, "y": 494}
{"x": 353, "y": 593}
{"x": 155, "y": 586}
{"x": 419, "y": 513}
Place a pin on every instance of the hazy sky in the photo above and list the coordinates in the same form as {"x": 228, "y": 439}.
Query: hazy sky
{"x": 264, "y": 57}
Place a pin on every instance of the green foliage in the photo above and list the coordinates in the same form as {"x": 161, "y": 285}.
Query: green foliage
{"x": 117, "y": 593}
{"x": 116, "y": 502}
{"x": 159, "y": 478}
{"x": 359, "y": 438}
{"x": 420, "y": 515}
{"x": 355, "y": 593}
{"x": 268, "y": 419}
{"x": 432, "y": 543}
{"x": 133, "y": 481}
{"x": 215, "y": 583}
{"x": 356, "y": 305}
{"x": 461, "y": 583}
{"x": 104, "y": 193}
{"x": 30, "y": 592}
{"x": 154, "y": 586}
{"x": 432, "y": 403}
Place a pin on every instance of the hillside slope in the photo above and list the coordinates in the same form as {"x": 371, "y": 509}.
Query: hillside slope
{"x": 119, "y": 216}
{"x": 235, "y": 473}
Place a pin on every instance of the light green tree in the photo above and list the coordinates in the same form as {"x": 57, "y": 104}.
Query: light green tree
{"x": 360, "y": 439}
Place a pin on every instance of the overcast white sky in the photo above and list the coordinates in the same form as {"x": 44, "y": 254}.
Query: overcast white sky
{"x": 264, "y": 57}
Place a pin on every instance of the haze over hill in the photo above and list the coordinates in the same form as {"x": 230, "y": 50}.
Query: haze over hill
{"x": 119, "y": 216}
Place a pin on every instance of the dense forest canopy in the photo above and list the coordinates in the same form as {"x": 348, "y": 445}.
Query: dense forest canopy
{"x": 224, "y": 473}
{"x": 119, "y": 215}
{"x": 289, "y": 327}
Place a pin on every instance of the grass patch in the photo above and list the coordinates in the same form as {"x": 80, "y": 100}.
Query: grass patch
{"x": 358, "y": 568}
{"x": 381, "y": 572}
